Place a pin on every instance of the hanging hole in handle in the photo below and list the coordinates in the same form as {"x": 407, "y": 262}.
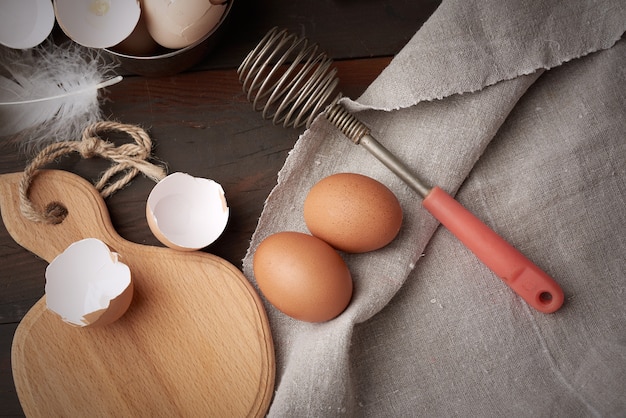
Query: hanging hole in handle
{"x": 545, "y": 298}
{"x": 55, "y": 213}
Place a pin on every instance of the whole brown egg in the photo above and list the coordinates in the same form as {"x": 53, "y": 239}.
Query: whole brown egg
{"x": 302, "y": 276}
{"x": 352, "y": 212}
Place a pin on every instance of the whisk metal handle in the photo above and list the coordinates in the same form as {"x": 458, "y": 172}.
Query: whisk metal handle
{"x": 358, "y": 133}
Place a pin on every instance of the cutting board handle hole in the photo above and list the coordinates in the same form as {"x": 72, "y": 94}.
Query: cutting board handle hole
{"x": 56, "y": 213}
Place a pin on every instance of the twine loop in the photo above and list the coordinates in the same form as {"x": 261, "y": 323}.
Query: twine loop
{"x": 91, "y": 146}
{"x": 128, "y": 159}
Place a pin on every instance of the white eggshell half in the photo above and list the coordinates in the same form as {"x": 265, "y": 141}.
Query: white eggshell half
{"x": 25, "y": 23}
{"x": 177, "y": 24}
{"x": 187, "y": 213}
{"x": 87, "y": 285}
{"x": 97, "y": 23}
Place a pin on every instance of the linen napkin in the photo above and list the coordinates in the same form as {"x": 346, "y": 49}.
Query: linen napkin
{"x": 518, "y": 108}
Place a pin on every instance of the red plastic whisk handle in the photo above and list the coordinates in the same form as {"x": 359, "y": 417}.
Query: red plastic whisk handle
{"x": 536, "y": 287}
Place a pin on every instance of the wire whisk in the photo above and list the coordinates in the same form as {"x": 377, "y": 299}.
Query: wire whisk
{"x": 293, "y": 95}
{"x": 289, "y": 79}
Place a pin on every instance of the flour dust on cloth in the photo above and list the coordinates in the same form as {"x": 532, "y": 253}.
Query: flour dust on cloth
{"x": 519, "y": 108}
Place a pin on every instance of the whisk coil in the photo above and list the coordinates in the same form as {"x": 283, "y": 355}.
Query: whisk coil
{"x": 288, "y": 79}
{"x": 347, "y": 123}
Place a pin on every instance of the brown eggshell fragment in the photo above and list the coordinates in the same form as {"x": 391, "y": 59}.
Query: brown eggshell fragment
{"x": 86, "y": 285}
{"x": 352, "y": 212}
{"x": 177, "y": 24}
{"x": 187, "y": 213}
{"x": 302, "y": 276}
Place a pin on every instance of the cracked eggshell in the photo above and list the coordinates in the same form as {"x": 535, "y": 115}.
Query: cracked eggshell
{"x": 187, "y": 213}
{"x": 177, "y": 24}
{"x": 86, "y": 285}
{"x": 97, "y": 23}
{"x": 25, "y": 24}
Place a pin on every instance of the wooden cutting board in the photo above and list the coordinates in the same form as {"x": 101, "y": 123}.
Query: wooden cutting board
{"x": 195, "y": 341}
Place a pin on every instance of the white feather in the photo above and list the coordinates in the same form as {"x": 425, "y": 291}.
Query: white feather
{"x": 50, "y": 93}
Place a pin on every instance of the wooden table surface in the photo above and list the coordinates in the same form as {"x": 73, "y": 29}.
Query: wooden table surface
{"x": 202, "y": 124}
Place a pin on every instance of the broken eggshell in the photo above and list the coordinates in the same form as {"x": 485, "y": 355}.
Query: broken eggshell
{"x": 87, "y": 285}
{"x": 25, "y": 24}
{"x": 187, "y": 213}
{"x": 97, "y": 23}
{"x": 178, "y": 24}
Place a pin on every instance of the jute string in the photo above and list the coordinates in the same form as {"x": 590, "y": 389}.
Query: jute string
{"x": 128, "y": 160}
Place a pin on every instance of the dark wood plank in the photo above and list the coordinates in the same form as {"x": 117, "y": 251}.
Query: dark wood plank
{"x": 9, "y": 403}
{"x": 346, "y": 29}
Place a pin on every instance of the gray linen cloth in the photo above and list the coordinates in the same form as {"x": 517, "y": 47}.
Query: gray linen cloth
{"x": 518, "y": 108}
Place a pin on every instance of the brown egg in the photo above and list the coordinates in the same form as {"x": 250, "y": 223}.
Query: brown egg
{"x": 352, "y": 212}
{"x": 302, "y": 276}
